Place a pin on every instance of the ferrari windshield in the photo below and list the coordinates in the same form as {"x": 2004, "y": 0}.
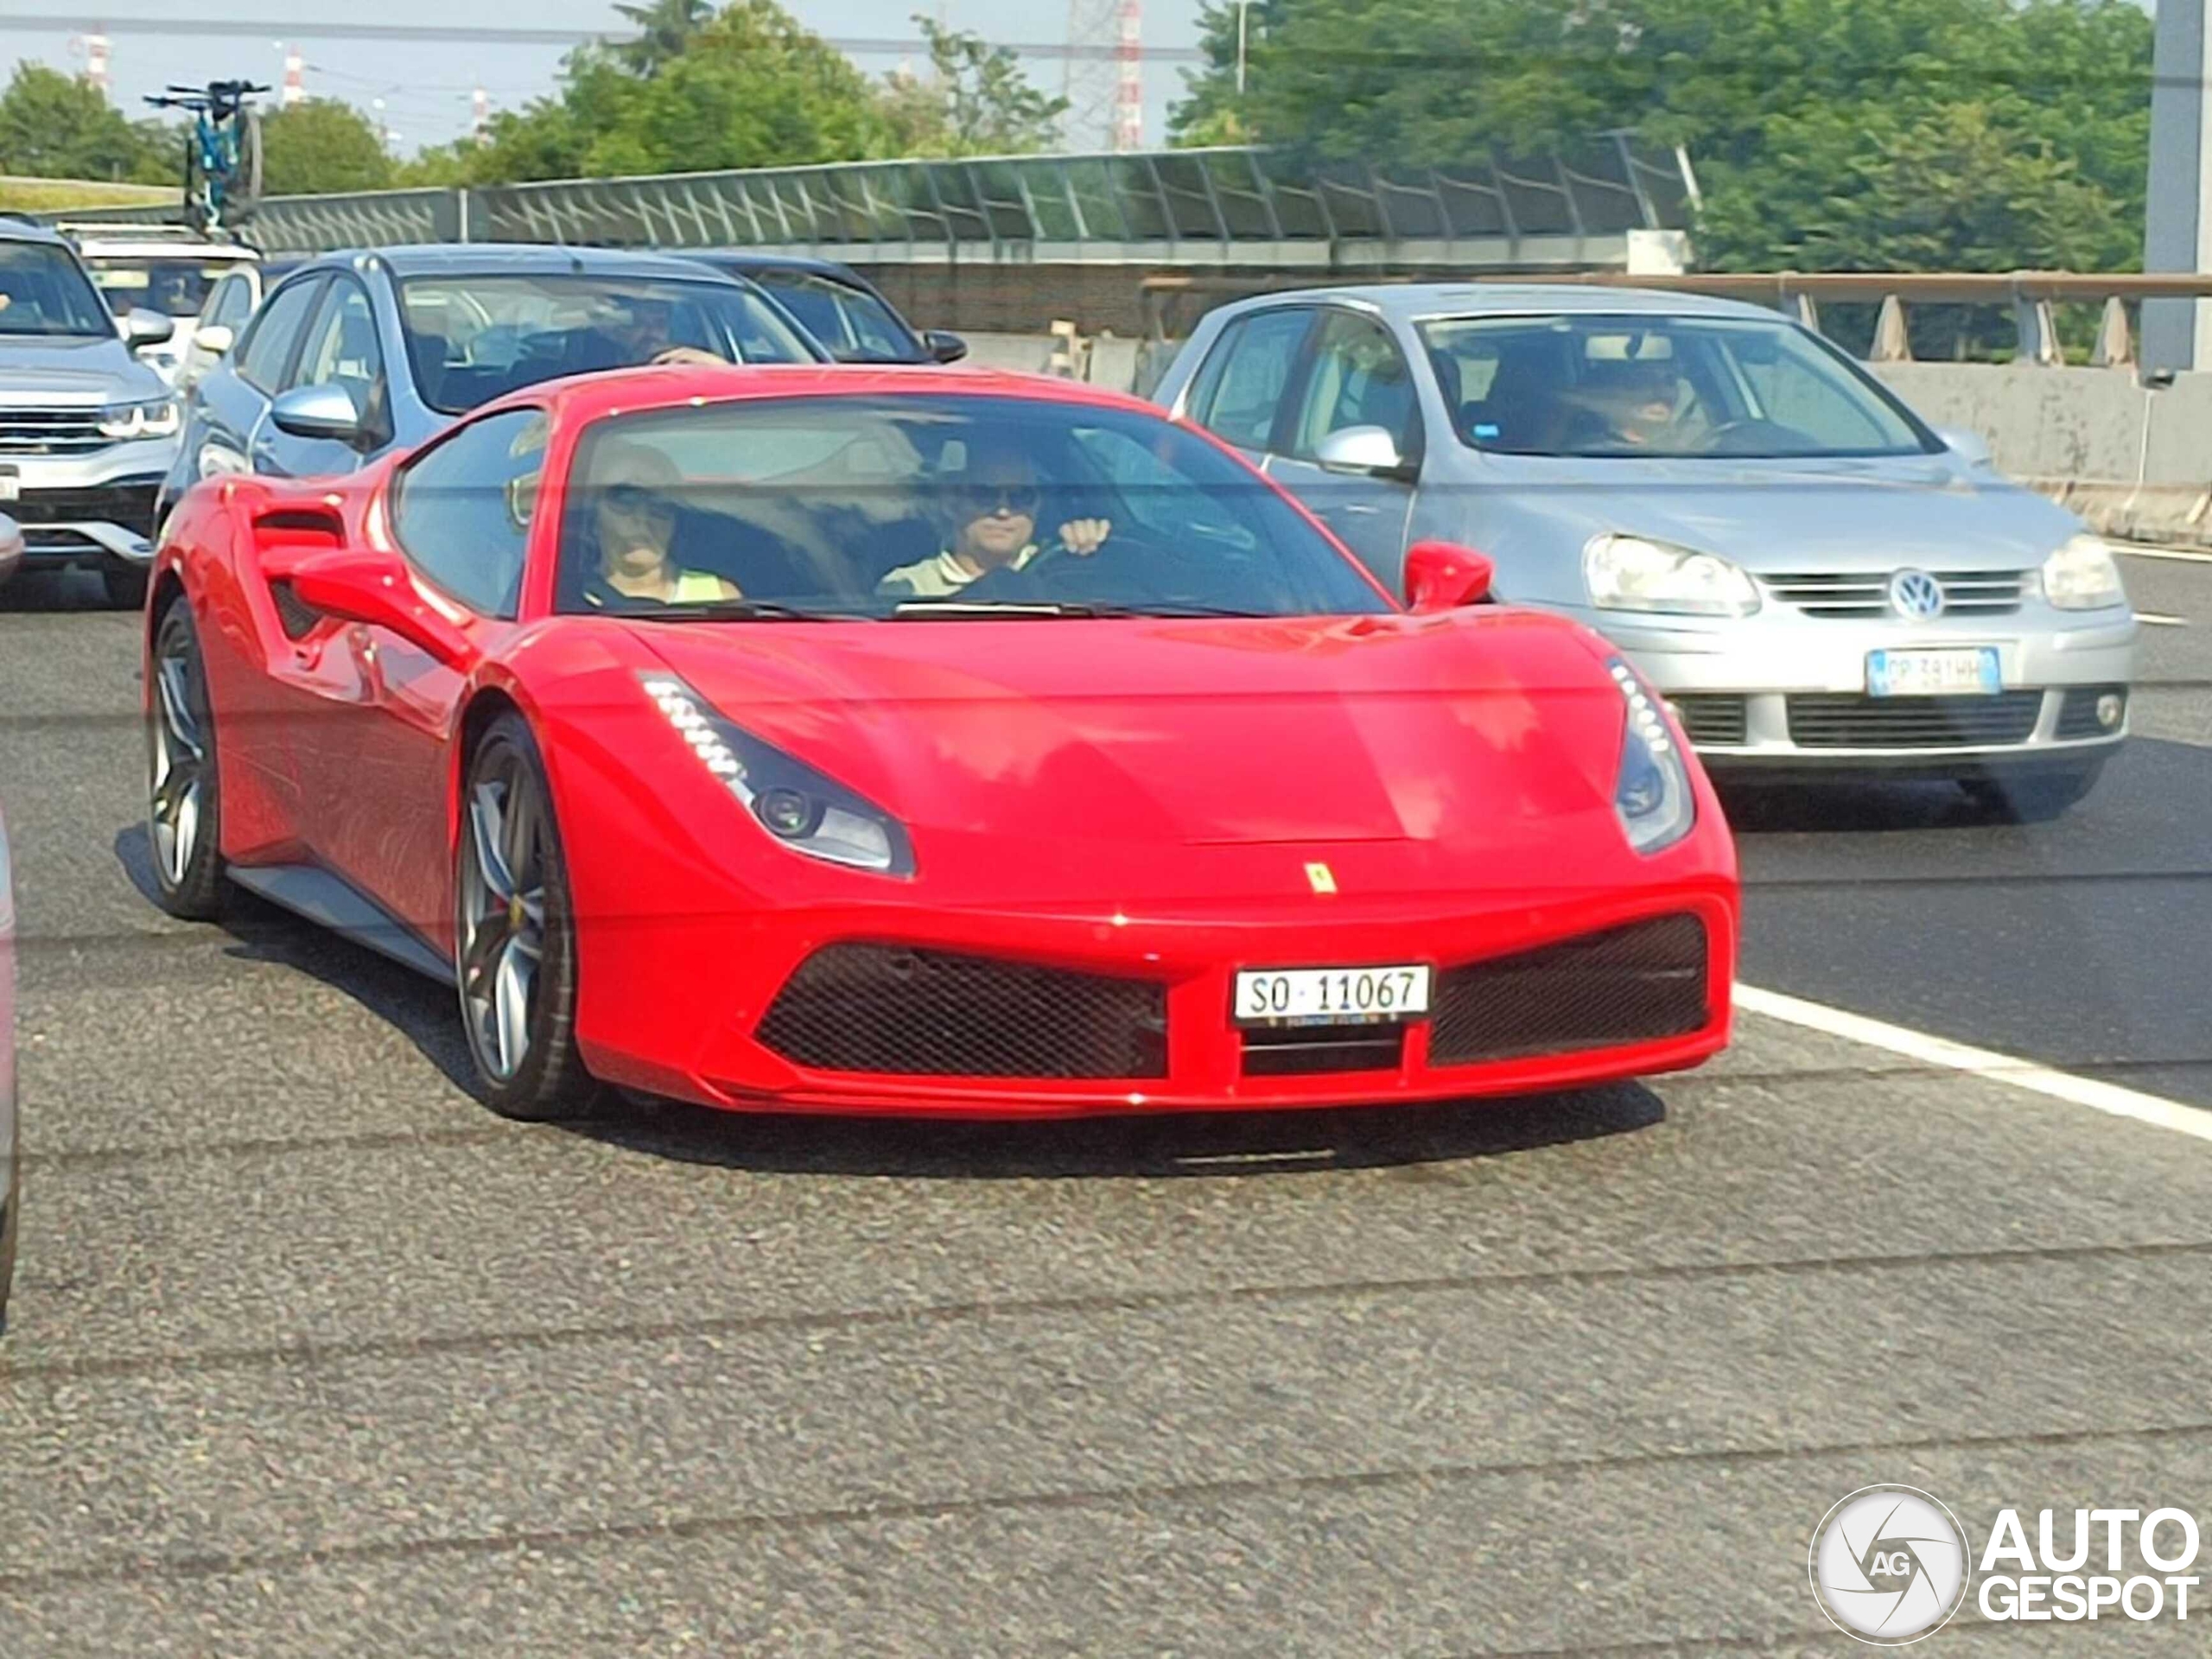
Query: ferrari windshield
{"x": 474, "y": 338}
{"x": 935, "y": 507}
{"x": 1660, "y": 385}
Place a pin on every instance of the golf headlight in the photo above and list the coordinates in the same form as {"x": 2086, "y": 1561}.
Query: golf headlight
{"x": 2083, "y": 576}
{"x": 807, "y": 811}
{"x": 159, "y": 417}
{"x": 1628, "y": 573}
{"x": 1652, "y": 793}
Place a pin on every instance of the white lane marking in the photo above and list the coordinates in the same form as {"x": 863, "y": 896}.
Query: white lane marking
{"x": 2157, "y": 621}
{"x": 2180, "y": 555}
{"x": 2108, "y": 1097}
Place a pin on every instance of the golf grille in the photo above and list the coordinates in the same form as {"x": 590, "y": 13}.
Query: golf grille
{"x": 1857, "y": 722}
{"x": 2077, "y": 715}
{"x": 1628, "y": 985}
{"x": 888, "y": 1009}
{"x": 1708, "y": 720}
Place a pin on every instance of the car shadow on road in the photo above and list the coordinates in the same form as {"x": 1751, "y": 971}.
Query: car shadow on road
{"x": 1864, "y": 807}
{"x": 1180, "y": 1144}
{"x": 44, "y": 592}
{"x": 418, "y": 1008}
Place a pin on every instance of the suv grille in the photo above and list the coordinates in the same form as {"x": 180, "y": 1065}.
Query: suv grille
{"x": 888, "y": 1009}
{"x": 1857, "y": 722}
{"x": 50, "y": 432}
{"x": 131, "y": 506}
{"x": 1864, "y": 594}
{"x": 1626, "y": 985}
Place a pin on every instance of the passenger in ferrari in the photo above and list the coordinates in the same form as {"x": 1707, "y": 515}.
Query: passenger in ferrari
{"x": 632, "y": 528}
{"x": 990, "y": 514}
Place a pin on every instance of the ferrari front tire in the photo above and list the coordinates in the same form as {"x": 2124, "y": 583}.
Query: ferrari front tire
{"x": 183, "y": 795}
{"x": 514, "y": 934}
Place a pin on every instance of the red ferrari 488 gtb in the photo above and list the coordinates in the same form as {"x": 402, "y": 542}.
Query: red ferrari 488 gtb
{"x": 923, "y": 741}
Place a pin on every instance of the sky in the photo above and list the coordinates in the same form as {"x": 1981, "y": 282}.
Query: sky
{"x": 426, "y": 85}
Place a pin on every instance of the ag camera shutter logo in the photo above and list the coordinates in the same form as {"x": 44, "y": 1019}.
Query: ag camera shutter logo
{"x": 1889, "y": 1565}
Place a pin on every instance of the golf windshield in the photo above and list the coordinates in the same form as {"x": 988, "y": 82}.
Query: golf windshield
{"x": 43, "y": 291}
{"x": 933, "y": 508}
{"x": 1661, "y": 386}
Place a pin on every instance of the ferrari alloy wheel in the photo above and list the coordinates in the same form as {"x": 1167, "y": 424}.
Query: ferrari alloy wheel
{"x": 514, "y": 936}
{"x": 181, "y": 807}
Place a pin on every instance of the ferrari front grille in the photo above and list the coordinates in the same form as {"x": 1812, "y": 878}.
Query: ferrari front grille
{"x": 1628, "y": 984}
{"x": 893, "y": 1011}
{"x": 1305, "y": 1051}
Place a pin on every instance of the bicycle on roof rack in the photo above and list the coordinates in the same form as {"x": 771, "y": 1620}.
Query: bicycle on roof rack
{"x": 222, "y": 152}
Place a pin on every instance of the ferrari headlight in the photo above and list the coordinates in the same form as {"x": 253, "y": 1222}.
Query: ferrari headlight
{"x": 1628, "y": 573}
{"x": 158, "y": 417}
{"x": 2083, "y": 576}
{"x": 806, "y": 811}
{"x": 1652, "y": 793}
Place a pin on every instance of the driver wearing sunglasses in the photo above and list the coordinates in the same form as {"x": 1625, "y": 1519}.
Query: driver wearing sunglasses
{"x": 992, "y": 513}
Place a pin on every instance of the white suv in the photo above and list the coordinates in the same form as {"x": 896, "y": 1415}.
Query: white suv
{"x": 163, "y": 267}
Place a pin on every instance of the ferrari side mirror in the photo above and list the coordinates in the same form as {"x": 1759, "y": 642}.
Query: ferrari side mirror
{"x": 1443, "y": 576}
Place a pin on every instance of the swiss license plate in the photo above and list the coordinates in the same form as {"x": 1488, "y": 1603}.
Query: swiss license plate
{"x": 1971, "y": 673}
{"x": 1283, "y": 996}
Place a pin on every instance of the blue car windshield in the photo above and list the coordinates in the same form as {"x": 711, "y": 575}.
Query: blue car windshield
{"x": 1630, "y": 385}
{"x": 43, "y": 291}
{"x": 470, "y": 339}
{"x": 922, "y": 507}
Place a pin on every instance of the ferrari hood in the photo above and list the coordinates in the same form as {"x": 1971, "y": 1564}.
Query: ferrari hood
{"x": 1486, "y": 726}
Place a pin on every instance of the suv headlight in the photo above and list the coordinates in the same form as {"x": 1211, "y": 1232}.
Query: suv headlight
{"x": 1629, "y": 572}
{"x": 157, "y": 417}
{"x": 809, "y": 812}
{"x": 1652, "y": 793}
{"x": 2083, "y": 576}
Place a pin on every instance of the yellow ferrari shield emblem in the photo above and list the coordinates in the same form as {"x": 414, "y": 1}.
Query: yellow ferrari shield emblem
{"x": 1321, "y": 879}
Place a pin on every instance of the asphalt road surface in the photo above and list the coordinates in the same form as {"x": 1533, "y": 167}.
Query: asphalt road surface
{"x": 311, "y": 1355}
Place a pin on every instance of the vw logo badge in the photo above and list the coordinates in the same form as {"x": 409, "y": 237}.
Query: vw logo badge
{"x": 1917, "y": 594}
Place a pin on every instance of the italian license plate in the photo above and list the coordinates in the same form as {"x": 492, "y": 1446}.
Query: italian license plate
{"x": 1968, "y": 673}
{"x": 1315, "y": 997}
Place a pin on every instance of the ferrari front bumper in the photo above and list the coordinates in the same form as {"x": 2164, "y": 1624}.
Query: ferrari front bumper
{"x": 1643, "y": 979}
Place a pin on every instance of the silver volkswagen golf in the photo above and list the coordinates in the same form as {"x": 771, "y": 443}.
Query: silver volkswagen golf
{"x": 1816, "y": 579}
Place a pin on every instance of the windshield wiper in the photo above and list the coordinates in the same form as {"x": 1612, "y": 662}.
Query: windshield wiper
{"x": 925, "y": 609}
{"x": 737, "y": 610}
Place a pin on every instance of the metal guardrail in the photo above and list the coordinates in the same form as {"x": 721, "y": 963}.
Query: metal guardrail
{"x": 1226, "y": 206}
{"x": 2032, "y": 294}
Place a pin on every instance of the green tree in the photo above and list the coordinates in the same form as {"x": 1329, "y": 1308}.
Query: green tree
{"x": 321, "y": 145}
{"x": 751, "y": 88}
{"x": 975, "y": 100}
{"x": 1991, "y": 132}
{"x": 57, "y": 126}
{"x": 665, "y": 30}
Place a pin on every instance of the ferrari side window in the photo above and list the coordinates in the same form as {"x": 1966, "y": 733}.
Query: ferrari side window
{"x": 462, "y": 511}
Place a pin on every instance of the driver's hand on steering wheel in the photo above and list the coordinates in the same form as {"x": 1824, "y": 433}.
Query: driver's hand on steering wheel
{"x": 1083, "y": 537}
